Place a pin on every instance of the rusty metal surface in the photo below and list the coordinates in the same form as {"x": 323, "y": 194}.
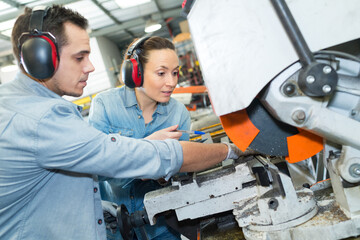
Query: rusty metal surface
{"x": 231, "y": 234}
{"x": 329, "y": 210}
{"x": 329, "y": 213}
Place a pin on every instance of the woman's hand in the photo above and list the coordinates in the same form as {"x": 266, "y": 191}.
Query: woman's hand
{"x": 166, "y": 133}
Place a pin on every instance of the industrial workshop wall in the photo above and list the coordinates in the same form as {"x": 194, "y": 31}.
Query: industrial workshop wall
{"x": 106, "y": 58}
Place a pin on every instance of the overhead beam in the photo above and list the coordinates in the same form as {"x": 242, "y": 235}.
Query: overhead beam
{"x": 157, "y": 5}
{"x": 106, "y": 12}
{"x": 106, "y": 30}
{"x": 111, "y": 16}
{"x": 133, "y": 23}
{"x": 4, "y": 37}
{"x": 6, "y": 53}
{"x": 12, "y": 3}
{"x": 116, "y": 28}
{"x": 20, "y": 10}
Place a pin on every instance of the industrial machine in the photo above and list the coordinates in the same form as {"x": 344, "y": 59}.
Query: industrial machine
{"x": 284, "y": 78}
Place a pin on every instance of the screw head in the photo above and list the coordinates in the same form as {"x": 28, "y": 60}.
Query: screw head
{"x": 327, "y": 69}
{"x": 298, "y": 116}
{"x": 326, "y": 88}
{"x": 310, "y": 79}
{"x": 289, "y": 89}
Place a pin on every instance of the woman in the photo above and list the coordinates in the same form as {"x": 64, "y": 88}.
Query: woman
{"x": 142, "y": 109}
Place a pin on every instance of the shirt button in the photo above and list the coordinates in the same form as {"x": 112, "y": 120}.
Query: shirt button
{"x": 139, "y": 117}
{"x": 119, "y": 132}
{"x": 95, "y": 189}
{"x": 99, "y": 221}
{"x": 113, "y": 139}
{"x": 132, "y": 197}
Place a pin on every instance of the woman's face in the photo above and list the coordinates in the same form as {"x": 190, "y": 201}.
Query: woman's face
{"x": 160, "y": 75}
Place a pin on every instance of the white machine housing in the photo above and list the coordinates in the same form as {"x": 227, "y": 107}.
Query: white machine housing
{"x": 242, "y": 46}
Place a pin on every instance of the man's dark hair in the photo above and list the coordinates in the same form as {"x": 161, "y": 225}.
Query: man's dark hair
{"x": 53, "y": 22}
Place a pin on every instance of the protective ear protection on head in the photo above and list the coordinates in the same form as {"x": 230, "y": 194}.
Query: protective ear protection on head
{"x": 38, "y": 50}
{"x": 132, "y": 71}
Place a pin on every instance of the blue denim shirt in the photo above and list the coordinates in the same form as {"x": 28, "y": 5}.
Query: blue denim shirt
{"x": 117, "y": 111}
{"x": 49, "y": 159}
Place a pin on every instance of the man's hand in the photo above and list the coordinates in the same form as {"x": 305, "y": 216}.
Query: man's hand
{"x": 234, "y": 152}
{"x": 109, "y": 211}
{"x": 166, "y": 133}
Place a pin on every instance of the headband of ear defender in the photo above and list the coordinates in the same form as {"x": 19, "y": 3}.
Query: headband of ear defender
{"x": 132, "y": 71}
{"x": 38, "y": 50}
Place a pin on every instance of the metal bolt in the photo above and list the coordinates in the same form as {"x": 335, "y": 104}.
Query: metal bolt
{"x": 298, "y": 116}
{"x": 327, "y": 69}
{"x": 273, "y": 203}
{"x": 310, "y": 79}
{"x": 354, "y": 170}
{"x": 326, "y": 88}
{"x": 289, "y": 89}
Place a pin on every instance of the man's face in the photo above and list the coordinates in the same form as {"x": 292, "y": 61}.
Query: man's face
{"x": 74, "y": 66}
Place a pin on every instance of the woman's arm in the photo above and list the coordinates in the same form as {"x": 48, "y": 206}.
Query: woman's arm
{"x": 98, "y": 117}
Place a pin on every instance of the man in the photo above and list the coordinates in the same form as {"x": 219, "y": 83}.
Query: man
{"x": 50, "y": 156}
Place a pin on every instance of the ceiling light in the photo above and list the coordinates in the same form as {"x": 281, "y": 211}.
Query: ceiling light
{"x": 130, "y": 3}
{"x": 152, "y": 26}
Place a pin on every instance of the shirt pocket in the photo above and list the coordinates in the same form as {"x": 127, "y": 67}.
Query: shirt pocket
{"x": 126, "y": 132}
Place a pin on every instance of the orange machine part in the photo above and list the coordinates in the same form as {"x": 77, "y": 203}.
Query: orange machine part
{"x": 191, "y": 89}
{"x": 303, "y": 145}
{"x": 242, "y": 132}
{"x": 239, "y": 128}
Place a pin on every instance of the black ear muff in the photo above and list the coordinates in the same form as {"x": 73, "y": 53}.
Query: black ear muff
{"x": 38, "y": 50}
{"x": 132, "y": 71}
{"x": 39, "y": 57}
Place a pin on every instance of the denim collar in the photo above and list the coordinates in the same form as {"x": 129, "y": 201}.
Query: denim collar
{"x": 130, "y": 101}
{"x": 35, "y": 87}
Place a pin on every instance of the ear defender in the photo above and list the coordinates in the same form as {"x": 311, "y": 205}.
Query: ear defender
{"x": 38, "y": 50}
{"x": 132, "y": 71}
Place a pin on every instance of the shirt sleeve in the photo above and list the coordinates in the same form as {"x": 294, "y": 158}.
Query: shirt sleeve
{"x": 98, "y": 116}
{"x": 65, "y": 141}
{"x": 185, "y": 123}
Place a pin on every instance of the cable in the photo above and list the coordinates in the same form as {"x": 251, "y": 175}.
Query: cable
{"x": 339, "y": 54}
{"x": 348, "y": 90}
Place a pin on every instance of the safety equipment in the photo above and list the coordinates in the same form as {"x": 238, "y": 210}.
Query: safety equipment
{"x": 38, "y": 50}
{"x": 109, "y": 211}
{"x": 234, "y": 152}
{"x": 132, "y": 70}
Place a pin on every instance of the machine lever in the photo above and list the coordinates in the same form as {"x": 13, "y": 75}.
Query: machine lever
{"x": 293, "y": 31}
{"x": 315, "y": 79}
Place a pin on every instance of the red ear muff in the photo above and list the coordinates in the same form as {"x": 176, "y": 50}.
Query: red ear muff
{"x": 39, "y": 57}
{"x": 132, "y": 73}
{"x": 137, "y": 74}
{"x": 54, "y": 53}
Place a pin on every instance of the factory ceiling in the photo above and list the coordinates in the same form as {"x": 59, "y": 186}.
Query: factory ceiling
{"x": 106, "y": 18}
